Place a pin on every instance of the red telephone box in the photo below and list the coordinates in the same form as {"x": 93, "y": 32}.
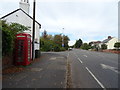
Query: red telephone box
{"x": 23, "y": 49}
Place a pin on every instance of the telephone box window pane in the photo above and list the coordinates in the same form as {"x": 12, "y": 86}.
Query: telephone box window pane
{"x": 21, "y": 36}
{"x": 28, "y": 58}
{"x": 20, "y": 59}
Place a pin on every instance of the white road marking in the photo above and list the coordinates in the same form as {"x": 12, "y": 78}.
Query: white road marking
{"x": 80, "y": 60}
{"x": 36, "y": 69}
{"x": 85, "y": 55}
{"x": 53, "y": 58}
{"x": 109, "y": 67}
{"x": 95, "y": 78}
{"x": 60, "y": 57}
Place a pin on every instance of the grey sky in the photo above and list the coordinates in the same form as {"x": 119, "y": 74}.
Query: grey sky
{"x": 86, "y": 19}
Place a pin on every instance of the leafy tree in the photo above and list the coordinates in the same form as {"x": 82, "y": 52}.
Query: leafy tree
{"x": 51, "y": 43}
{"x": 46, "y": 45}
{"x": 78, "y": 43}
{"x": 58, "y": 40}
{"x": 117, "y": 45}
{"x": 66, "y": 39}
{"x": 8, "y": 36}
{"x": 56, "y": 48}
{"x": 44, "y": 34}
{"x": 85, "y": 46}
{"x": 103, "y": 46}
{"x": 50, "y": 37}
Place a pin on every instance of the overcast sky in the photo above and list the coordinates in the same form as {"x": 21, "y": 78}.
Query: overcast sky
{"x": 89, "y": 20}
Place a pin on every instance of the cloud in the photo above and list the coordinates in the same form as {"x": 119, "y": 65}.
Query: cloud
{"x": 81, "y": 20}
{"x": 72, "y": 42}
{"x": 77, "y": 0}
{"x": 85, "y": 19}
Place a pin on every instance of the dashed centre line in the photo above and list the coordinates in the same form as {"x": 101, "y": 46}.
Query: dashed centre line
{"x": 85, "y": 55}
{"x": 80, "y": 60}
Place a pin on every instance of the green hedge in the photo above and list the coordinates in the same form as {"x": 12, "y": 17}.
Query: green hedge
{"x": 9, "y": 30}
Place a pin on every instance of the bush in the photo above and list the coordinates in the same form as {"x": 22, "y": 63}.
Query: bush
{"x": 62, "y": 49}
{"x": 85, "y": 46}
{"x": 8, "y": 36}
{"x": 103, "y": 46}
{"x": 56, "y": 48}
{"x": 117, "y": 45}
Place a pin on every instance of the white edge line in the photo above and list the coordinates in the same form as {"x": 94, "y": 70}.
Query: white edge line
{"x": 80, "y": 60}
{"x": 95, "y": 78}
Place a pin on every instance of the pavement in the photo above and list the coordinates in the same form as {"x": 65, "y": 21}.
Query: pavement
{"x": 47, "y": 72}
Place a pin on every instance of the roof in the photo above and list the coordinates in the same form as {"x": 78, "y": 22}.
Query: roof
{"x": 23, "y": 12}
{"x": 95, "y": 42}
{"x": 106, "y": 40}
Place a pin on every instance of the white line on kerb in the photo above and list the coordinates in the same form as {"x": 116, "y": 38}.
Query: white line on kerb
{"x": 80, "y": 60}
{"x": 95, "y": 78}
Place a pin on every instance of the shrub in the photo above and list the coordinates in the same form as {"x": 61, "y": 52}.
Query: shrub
{"x": 103, "y": 46}
{"x": 62, "y": 49}
{"x": 56, "y": 48}
{"x": 8, "y": 36}
{"x": 117, "y": 45}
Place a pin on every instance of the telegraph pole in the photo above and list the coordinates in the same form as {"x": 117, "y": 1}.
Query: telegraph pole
{"x": 33, "y": 34}
{"x": 63, "y": 38}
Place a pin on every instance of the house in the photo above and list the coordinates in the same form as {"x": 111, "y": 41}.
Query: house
{"x": 21, "y": 16}
{"x": 95, "y": 44}
{"x": 110, "y": 41}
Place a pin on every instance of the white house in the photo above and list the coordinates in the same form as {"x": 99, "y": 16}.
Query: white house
{"x": 22, "y": 16}
{"x": 110, "y": 41}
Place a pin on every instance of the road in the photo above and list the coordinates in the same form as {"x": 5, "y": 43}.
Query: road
{"x": 87, "y": 69}
{"x": 91, "y": 69}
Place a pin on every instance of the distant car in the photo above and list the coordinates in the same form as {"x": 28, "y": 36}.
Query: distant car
{"x": 69, "y": 49}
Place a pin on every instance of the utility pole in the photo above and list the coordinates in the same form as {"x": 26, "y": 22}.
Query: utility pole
{"x": 33, "y": 34}
{"x": 63, "y": 39}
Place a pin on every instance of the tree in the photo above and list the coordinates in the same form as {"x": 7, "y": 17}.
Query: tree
{"x": 8, "y": 36}
{"x": 49, "y": 42}
{"x": 103, "y": 46}
{"x": 58, "y": 39}
{"x": 85, "y": 46}
{"x": 44, "y": 34}
{"x": 66, "y": 39}
{"x": 78, "y": 43}
{"x": 117, "y": 45}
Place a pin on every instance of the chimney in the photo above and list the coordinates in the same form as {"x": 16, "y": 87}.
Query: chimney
{"x": 109, "y": 37}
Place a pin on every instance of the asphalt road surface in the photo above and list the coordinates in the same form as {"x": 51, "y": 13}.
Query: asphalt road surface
{"x": 93, "y": 69}
{"x": 88, "y": 69}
